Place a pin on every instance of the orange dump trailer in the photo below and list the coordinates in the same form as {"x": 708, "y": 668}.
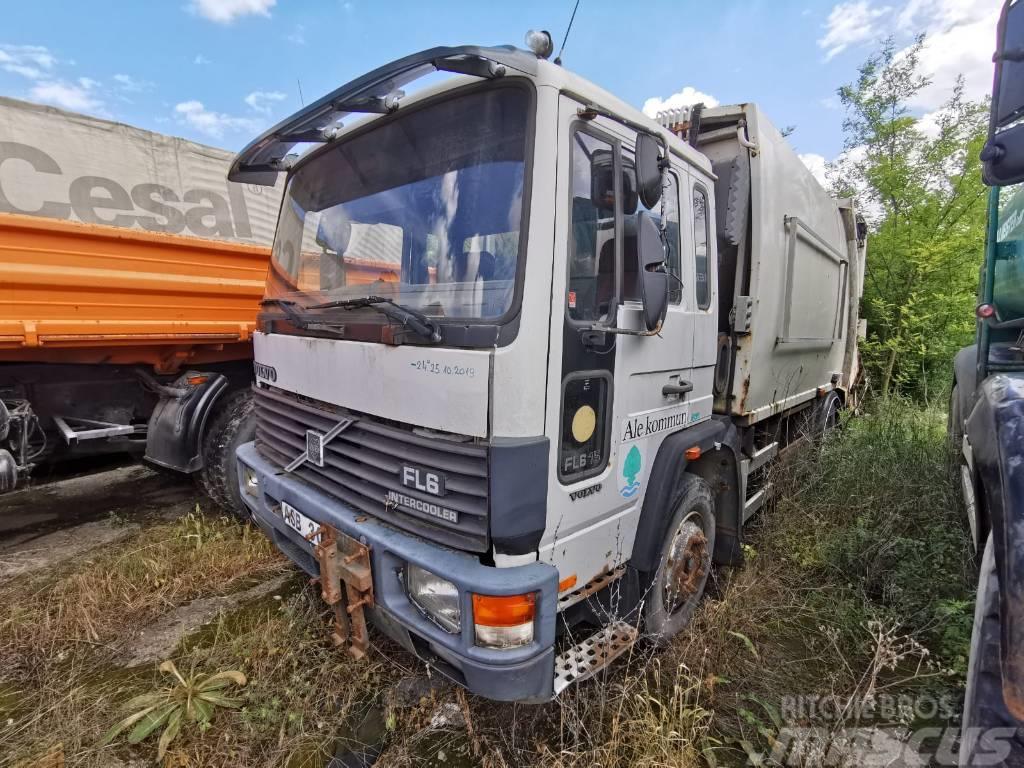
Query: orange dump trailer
{"x": 131, "y": 273}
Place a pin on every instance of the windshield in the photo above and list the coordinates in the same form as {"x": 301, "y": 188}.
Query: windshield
{"x": 424, "y": 210}
{"x": 1008, "y": 270}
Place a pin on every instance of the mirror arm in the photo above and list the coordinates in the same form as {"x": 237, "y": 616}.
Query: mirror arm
{"x": 598, "y": 328}
{"x": 590, "y": 111}
{"x": 1010, "y": 54}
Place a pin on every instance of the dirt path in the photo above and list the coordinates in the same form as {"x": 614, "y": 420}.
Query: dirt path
{"x": 156, "y": 641}
{"x": 51, "y": 523}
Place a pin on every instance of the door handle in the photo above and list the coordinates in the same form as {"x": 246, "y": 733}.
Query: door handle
{"x": 677, "y": 389}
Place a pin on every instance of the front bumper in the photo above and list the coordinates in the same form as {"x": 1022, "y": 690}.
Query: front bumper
{"x": 525, "y": 673}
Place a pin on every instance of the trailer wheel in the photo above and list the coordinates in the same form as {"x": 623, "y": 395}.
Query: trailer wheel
{"x": 231, "y": 424}
{"x": 675, "y": 588}
{"x": 984, "y": 708}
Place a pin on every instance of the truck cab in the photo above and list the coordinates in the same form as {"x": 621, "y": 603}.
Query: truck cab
{"x": 497, "y": 373}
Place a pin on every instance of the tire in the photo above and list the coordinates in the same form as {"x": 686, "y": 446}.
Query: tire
{"x": 674, "y": 589}
{"x": 983, "y": 701}
{"x": 955, "y": 422}
{"x": 231, "y": 425}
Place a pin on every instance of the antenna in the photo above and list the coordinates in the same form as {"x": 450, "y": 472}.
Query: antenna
{"x": 302, "y": 101}
{"x": 558, "y": 58}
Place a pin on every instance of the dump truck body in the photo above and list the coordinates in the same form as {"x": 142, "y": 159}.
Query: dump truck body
{"x": 92, "y": 294}
{"x": 541, "y": 424}
{"x": 126, "y": 260}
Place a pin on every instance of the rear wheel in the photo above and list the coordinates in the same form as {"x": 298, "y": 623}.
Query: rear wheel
{"x": 675, "y": 588}
{"x": 827, "y": 414}
{"x": 231, "y": 425}
{"x": 984, "y": 709}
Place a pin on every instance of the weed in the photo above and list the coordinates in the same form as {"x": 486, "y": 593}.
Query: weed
{"x": 192, "y": 699}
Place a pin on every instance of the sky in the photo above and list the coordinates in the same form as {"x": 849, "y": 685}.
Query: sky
{"x": 221, "y": 71}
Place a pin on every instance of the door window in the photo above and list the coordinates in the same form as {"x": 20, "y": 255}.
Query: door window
{"x": 700, "y": 244}
{"x": 592, "y": 238}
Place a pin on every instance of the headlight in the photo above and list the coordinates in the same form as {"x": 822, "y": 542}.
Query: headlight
{"x": 250, "y": 482}
{"x": 438, "y": 598}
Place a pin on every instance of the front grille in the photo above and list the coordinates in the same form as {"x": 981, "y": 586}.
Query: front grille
{"x": 365, "y": 461}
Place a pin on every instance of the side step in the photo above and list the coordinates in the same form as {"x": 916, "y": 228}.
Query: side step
{"x": 748, "y": 467}
{"x": 756, "y": 501}
{"x": 593, "y": 654}
{"x": 763, "y": 456}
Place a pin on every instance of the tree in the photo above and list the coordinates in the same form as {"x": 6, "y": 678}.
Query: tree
{"x": 918, "y": 182}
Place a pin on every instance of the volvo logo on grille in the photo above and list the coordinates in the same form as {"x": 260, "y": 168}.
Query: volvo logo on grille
{"x": 315, "y": 442}
{"x": 315, "y": 447}
{"x": 267, "y": 372}
{"x": 421, "y": 479}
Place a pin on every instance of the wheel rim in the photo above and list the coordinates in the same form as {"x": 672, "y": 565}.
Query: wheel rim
{"x": 687, "y": 563}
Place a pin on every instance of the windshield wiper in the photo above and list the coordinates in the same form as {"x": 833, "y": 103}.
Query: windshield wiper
{"x": 409, "y": 318}
{"x": 297, "y": 320}
{"x": 288, "y": 306}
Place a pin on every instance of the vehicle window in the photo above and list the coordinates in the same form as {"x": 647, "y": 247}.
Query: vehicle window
{"x": 424, "y": 209}
{"x": 700, "y": 245}
{"x": 631, "y": 207}
{"x": 592, "y": 237}
{"x": 1008, "y": 269}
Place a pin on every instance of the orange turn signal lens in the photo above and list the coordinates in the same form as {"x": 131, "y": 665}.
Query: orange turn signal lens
{"x": 567, "y": 583}
{"x": 195, "y": 381}
{"x": 692, "y": 454}
{"x": 505, "y": 611}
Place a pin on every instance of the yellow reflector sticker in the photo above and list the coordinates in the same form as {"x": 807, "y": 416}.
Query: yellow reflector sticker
{"x": 583, "y": 423}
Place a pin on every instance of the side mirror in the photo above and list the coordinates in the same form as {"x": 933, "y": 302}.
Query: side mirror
{"x": 1003, "y": 156}
{"x": 650, "y": 251}
{"x": 648, "y": 170}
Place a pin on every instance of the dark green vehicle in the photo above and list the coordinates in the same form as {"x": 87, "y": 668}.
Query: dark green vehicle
{"x": 986, "y": 425}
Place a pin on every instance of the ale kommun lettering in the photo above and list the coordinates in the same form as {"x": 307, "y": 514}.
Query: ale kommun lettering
{"x": 645, "y": 425}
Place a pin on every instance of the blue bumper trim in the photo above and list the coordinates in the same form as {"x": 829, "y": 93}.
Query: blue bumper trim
{"x": 515, "y": 674}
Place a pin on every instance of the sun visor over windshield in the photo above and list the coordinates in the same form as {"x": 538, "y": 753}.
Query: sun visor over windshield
{"x": 424, "y": 144}
{"x": 375, "y": 92}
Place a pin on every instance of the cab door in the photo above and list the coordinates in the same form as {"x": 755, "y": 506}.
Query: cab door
{"x": 612, "y": 397}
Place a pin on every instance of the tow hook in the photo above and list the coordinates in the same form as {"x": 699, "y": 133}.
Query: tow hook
{"x": 346, "y": 584}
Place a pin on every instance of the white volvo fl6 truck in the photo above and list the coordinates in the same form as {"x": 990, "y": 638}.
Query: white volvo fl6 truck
{"x": 525, "y": 354}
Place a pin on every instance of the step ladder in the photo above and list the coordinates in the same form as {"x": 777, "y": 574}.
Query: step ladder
{"x": 592, "y": 655}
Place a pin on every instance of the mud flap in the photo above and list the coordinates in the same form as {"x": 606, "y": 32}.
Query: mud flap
{"x": 174, "y": 438}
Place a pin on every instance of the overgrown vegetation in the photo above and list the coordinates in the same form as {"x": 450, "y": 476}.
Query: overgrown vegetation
{"x": 918, "y": 181}
{"x": 857, "y": 582}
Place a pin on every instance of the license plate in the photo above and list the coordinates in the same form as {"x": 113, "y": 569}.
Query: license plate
{"x": 300, "y": 523}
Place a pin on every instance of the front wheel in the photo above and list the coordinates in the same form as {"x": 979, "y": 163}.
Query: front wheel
{"x": 990, "y": 735}
{"x": 675, "y": 588}
{"x": 231, "y": 425}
